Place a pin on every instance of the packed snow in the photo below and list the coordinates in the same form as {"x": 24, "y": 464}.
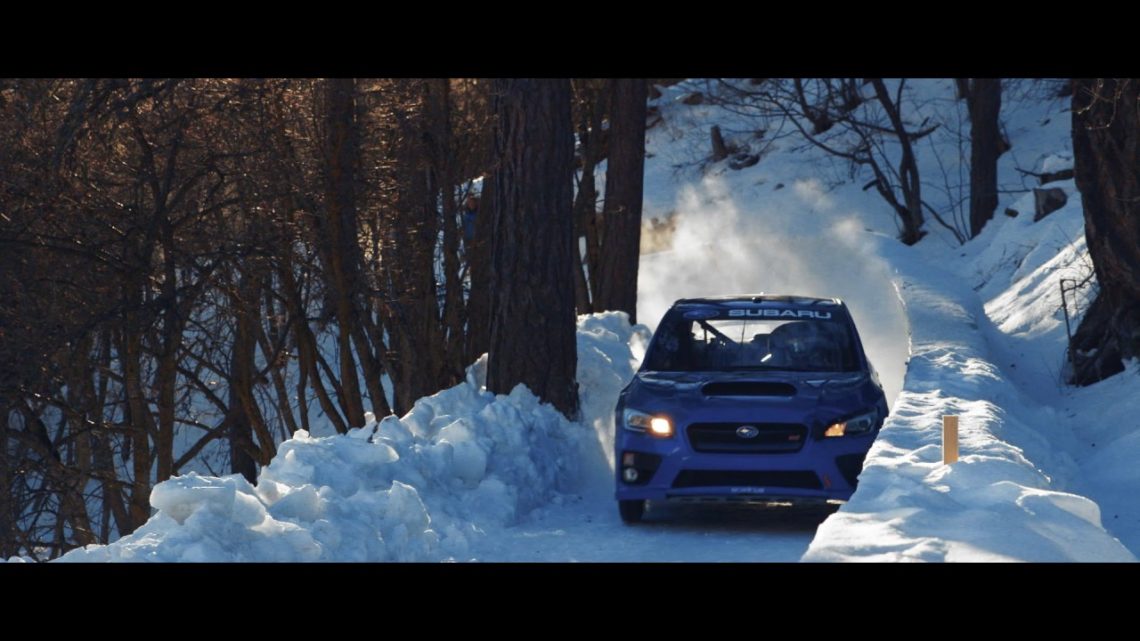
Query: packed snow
{"x": 973, "y": 330}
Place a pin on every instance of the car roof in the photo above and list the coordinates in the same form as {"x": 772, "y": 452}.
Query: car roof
{"x": 760, "y": 300}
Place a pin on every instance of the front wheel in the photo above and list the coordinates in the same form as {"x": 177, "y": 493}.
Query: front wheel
{"x": 631, "y": 511}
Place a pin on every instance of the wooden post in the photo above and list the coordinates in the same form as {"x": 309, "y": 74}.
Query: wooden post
{"x": 949, "y": 439}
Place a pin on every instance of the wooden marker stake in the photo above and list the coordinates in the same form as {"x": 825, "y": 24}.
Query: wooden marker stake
{"x": 949, "y": 439}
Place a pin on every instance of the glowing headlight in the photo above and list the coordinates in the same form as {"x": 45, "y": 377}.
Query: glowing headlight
{"x": 661, "y": 426}
{"x": 641, "y": 422}
{"x": 858, "y": 425}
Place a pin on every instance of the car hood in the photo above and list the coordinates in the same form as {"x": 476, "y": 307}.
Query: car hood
{"x": 810, "y": 398}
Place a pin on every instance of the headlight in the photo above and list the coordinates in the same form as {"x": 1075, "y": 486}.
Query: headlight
{"x": 858, "y": 425}
{"x": 658, "y": 426}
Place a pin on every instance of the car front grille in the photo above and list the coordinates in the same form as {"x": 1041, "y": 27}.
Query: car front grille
{"x": 727, "y": 438}
{"x": 751, "y": 478}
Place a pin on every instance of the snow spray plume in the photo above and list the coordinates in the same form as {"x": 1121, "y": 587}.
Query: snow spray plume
{"x": 719, "y": 250}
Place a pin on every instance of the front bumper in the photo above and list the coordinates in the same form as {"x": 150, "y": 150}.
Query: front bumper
{"x": 823, "y": 469}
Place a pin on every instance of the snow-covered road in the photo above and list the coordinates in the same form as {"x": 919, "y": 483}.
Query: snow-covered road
{"x": 591, "y": 531}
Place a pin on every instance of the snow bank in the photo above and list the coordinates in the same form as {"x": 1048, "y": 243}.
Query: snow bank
{"x": 460, "y": 465}
{"x": 1004, "y": 500}
{"x": 1018, "y": 276}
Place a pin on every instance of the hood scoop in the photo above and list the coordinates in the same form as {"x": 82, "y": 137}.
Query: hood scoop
{"x": 748, "y": 388}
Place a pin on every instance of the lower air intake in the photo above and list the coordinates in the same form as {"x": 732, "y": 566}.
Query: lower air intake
{"x": 719, "y": 478}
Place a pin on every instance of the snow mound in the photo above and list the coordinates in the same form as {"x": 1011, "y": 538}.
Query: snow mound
{"x": 1005, "y": 498}
{"x": 461, "y": 464}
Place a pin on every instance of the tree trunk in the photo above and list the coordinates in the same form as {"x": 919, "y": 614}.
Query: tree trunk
{"x": 625, "y": 175}
{"x": 984, "y": 104}
{"x": 438, "y": 98}
{"x": 104, "y": 457}
{"x": 243, "y": 457}
{"x": 411, "y": 224}
{"x": 592, "y": 105}
{"x": 583, "y": 217}
{"x": 269, "y": 337}
{"x": 719, "y": 149}
{"x": 138, "y": 417}
{"x": 585, "y": 205}
{"x": 1106, "y": 156}
{"x": 532, "y": 243}
{"x": 909, "y": 183}
{"x": 308, "y": 371}
{"x": 962, "y": 86}
{"x": 166, "y": 375}
{"x": 339, "y": 238}
{"x": 7, "y": 505}
{"x": 479, "y": 265}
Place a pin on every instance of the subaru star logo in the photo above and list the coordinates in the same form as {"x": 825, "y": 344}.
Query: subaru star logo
{"x": 747, "y": 431}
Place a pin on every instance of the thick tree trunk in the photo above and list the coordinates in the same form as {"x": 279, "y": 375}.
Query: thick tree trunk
{"x": 984, "y": 104}
{"x": 625, "y": 174}
{"x": 1106, "y": 155}
{"x": 532, "y": 243}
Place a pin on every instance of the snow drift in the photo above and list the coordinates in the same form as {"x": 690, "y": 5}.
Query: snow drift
{"x": 1006, "y": 497}
{"x": 461, "y": 465}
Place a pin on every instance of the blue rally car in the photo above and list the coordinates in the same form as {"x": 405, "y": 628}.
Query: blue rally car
{"x": 750, "y": 398}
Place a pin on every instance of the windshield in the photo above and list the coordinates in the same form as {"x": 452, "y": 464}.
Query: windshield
{"x": 691, "y": 345}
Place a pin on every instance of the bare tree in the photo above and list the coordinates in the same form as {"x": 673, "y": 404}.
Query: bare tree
{"x": 862, "y": 122}
{"x": 193, "y": 270}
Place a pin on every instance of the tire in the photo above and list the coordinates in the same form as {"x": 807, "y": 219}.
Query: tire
{"x": 631, "y": 511}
